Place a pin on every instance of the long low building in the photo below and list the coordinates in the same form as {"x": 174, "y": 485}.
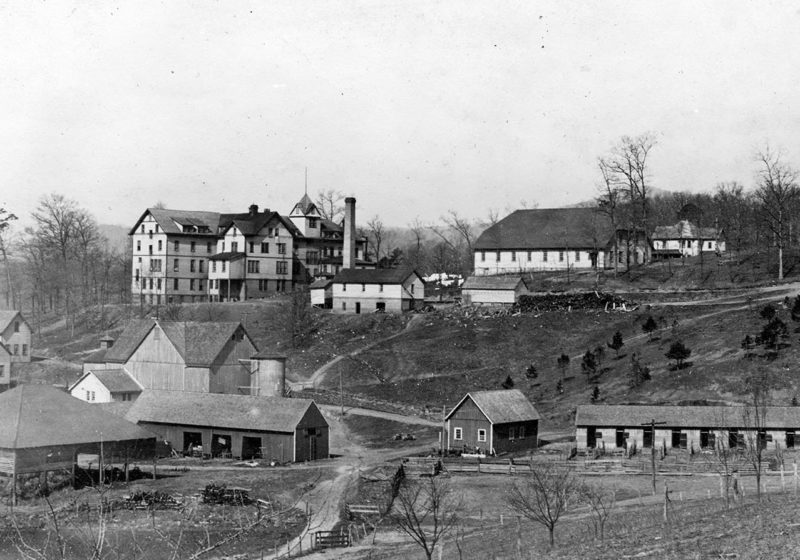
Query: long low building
{"x": 685, "y": 427}
{"x": 273, "y": 428}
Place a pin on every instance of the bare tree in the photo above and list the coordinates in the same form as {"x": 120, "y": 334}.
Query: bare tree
{"x": 5, "y": 225}
{"x": 608, "y": 203}
{"x": 376, "y": 232}
{"x": 777, "y": 190}
{"x": 426, "y": 510}
{"x": 329, "y": 204}
{"x": 458, "y": 233}
{"x": 543, "y": 495}
{"x": 754, "y": 421}
{"x": 725, "y": 459}
{"x": 601, "y": 502}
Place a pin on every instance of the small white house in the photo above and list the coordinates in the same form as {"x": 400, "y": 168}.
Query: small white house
{"x": 106, "y": 385}
{"x": 15, "y": 335}
{"x": 322, "y": 293}
{"x": 489, "y": 290}
{"x": 370, "y": 291}
{"x": 685, "y": 239}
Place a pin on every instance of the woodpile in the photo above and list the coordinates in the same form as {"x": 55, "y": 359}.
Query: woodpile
{"x": 222, "y": 495}
{"x": 571, "y": 302}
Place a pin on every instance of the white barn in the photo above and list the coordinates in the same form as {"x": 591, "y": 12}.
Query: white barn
{"x": 488, "y": 290}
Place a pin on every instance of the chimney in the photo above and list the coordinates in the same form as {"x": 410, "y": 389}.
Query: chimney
{"x": 106, "y": 342}
{"x": 349, "y": 252}
{"x": 253, "y": 209}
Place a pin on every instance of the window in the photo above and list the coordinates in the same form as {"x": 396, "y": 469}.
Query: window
{"x": 380, "y": 287}
{"x": 158, "y": 284}
{"x": 512, "y": 433}
{"x": 142, "y": 228}
{"x": 412, "y": 288}
{"x": 483, "y": 256}
{"x": 200, "y": 284}
{"x": 191, "y": 265}
{"x": 265, "y": 247}
{"x": 252, "y": 247}
{"x": 213, "y": 266}
{"x": 344, "y": 306}
{"x": 138, "y": 245}
{"x": 2, "y": 370}
{"x": 577, "y": 256}
{"x": 92, "y": 395}
{"x": 561, "y": 256}
{"x": 159, "y": 245}
{"x": 136, "y": 274}
{"x": 208, "y": 247}
{"x": 282, "y": 267}
{"x": 157, "y": 228}
{"x": 200, "y": 265}
{"x": 177, "y": 246}
{"x": 253, "y": 266}
{"x": 513, "y": 256}
{"x": 544, "y": 256}
{"x": 363, "y": 287}
{"x": 175, "y": 265}
{"x": 16, "y": 349}
{"x": 24, "y": 349}
{"x": 497, "y": 256}
{"x": 16, "y": 326}
{"x": 193, "y": 247}
{"x": 174, "y": 283}
{"x": 155, "y": 265}
{"x": 234, "y": 246}
{"x": 262, "y": 285}
{"x": 88, "y": 394}
{"x": 150, "y": 249}
{"x": 709, "y": 244}
{"x": 529, "y": 256}
{"x": 151, "y": 284}
{"x": 223, "y": 266}
{"x": 344, "y": 287}
{"x": 521, "y": 432}
{"x": 481, "y": 435}
{"x": 281, "y": 248}
{"x": 458, "y": 434}
{"x": 191, "y": 284}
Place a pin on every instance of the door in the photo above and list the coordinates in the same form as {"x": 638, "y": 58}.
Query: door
{"x": 358, "y": 307}
{"x": 591, "y": 437}
{"x": 621, "y": 435}
{"x": 647, "y": 438}
{"x": 251, "y": 447}
{"x": 789, "y": 439}
{"x": 676, "y": 439}
{"x": 311, "y": 434}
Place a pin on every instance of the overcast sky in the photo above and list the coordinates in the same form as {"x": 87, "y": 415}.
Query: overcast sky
{"x": 414, "y": 108}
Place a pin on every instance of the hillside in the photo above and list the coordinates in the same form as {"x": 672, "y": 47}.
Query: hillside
{"x": 434, "y": 358}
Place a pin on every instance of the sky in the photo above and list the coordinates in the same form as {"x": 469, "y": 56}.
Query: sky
{"x": 415, "y": 108}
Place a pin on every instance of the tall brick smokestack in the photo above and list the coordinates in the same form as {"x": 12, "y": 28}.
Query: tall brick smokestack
{"x": 349, "y": 251}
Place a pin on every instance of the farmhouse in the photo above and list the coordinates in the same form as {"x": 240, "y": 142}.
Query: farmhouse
{"x": 493, "y": 289}
{"x": 183, "y": 356}
{"x": 368, "y": 291}
{"x": 15, "y": 335}
{"x": 686, "y": 239}
{"x": 106, "y": 385}
{"x": 44, "y": 429}
{"x": 492, "y": 422}
{"x": 246, "y": 427}
{"x": 684, "y": 427}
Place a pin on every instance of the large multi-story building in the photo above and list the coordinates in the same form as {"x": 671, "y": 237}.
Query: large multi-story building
{"x": 190, "y": 256}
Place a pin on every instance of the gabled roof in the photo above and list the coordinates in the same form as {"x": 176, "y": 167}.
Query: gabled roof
{"x": 9, "y": 315}
{"x": 198, "y": 343}
{"x": 170, "y": 220}
{"x": 41, "y": 415}
{"x": 115, "y": 380}
{"x": 241, "y": 412}
{"x": 681, "y": 416}
{"x": 494, "y": 283}
{"x": 374, "y": 276}
{"x": 305, "y": 204}
{"x": 548, "y": 228}
{"x": 502, "y": 406}
{"x": 684, "y": 230}
{"x": 320, "y": 283}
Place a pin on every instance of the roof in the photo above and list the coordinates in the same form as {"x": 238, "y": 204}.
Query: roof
{"x": 115, "y": 380}
{"x": 320, "y": 283}
{"x": 493, "y": 283}
{"x": 305, "y": 204}
{"x": 41, "y": 415}
{"x": 247, "y": 223}
{"x": 8, "y": 315}
{"x": 268, "y": 355}
{"x": 241, "y": 412}
{"x": 681, "y": 416}
{"x": 502, "y": 406}
{"x": 374, "y": 276}
{"x": 169, "y": 220}
{"x": 228, "y": 256}
{"x": 548, "y": 228}
{"x": 198, "y": 343}
{"x": 684, "y": 230}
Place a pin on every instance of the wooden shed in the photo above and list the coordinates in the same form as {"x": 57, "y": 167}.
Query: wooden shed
{"x": 684, "y": 427}
{"x": 493, "y": 290}
{"x": 244, "y": 426}
{"x": 43, "y": 429}
{"x": 492, "y": 422}
{"x": 322, "y": 293}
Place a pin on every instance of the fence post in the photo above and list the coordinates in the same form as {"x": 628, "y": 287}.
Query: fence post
{"x": 795, "y": 477}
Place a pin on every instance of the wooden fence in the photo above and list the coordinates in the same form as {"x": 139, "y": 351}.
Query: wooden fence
{"x": 331, "y": 539}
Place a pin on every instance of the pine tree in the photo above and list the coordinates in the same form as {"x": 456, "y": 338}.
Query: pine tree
{"x": 563, "y": 363}
{"x": 639, "y": 373}
{"x": 595, "y": 394}
{"x": 616, "y": 343}
{"x": 650, "y": 326}
{"x": 589, "y": 365}
{"x": 531, "y": 372}
{"x": 678, "y": 352}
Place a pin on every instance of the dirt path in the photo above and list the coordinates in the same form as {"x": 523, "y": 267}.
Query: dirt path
{"x": 402, "y": 418}
{"x": 319, "y": 374}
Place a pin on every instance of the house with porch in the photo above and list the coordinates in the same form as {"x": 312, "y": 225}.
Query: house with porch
{"x": 686, "y": 239}
{"x": 612, "y": 427}
{"x": 491, "y": 422}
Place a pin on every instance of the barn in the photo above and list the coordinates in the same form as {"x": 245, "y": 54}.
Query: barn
{"x": 493, "y": 290}
{"x": 43, "y": 429}
{"x": 684, "y": 427}
{"x": 493, "y": 422}
{"x": 243, "y": 426}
